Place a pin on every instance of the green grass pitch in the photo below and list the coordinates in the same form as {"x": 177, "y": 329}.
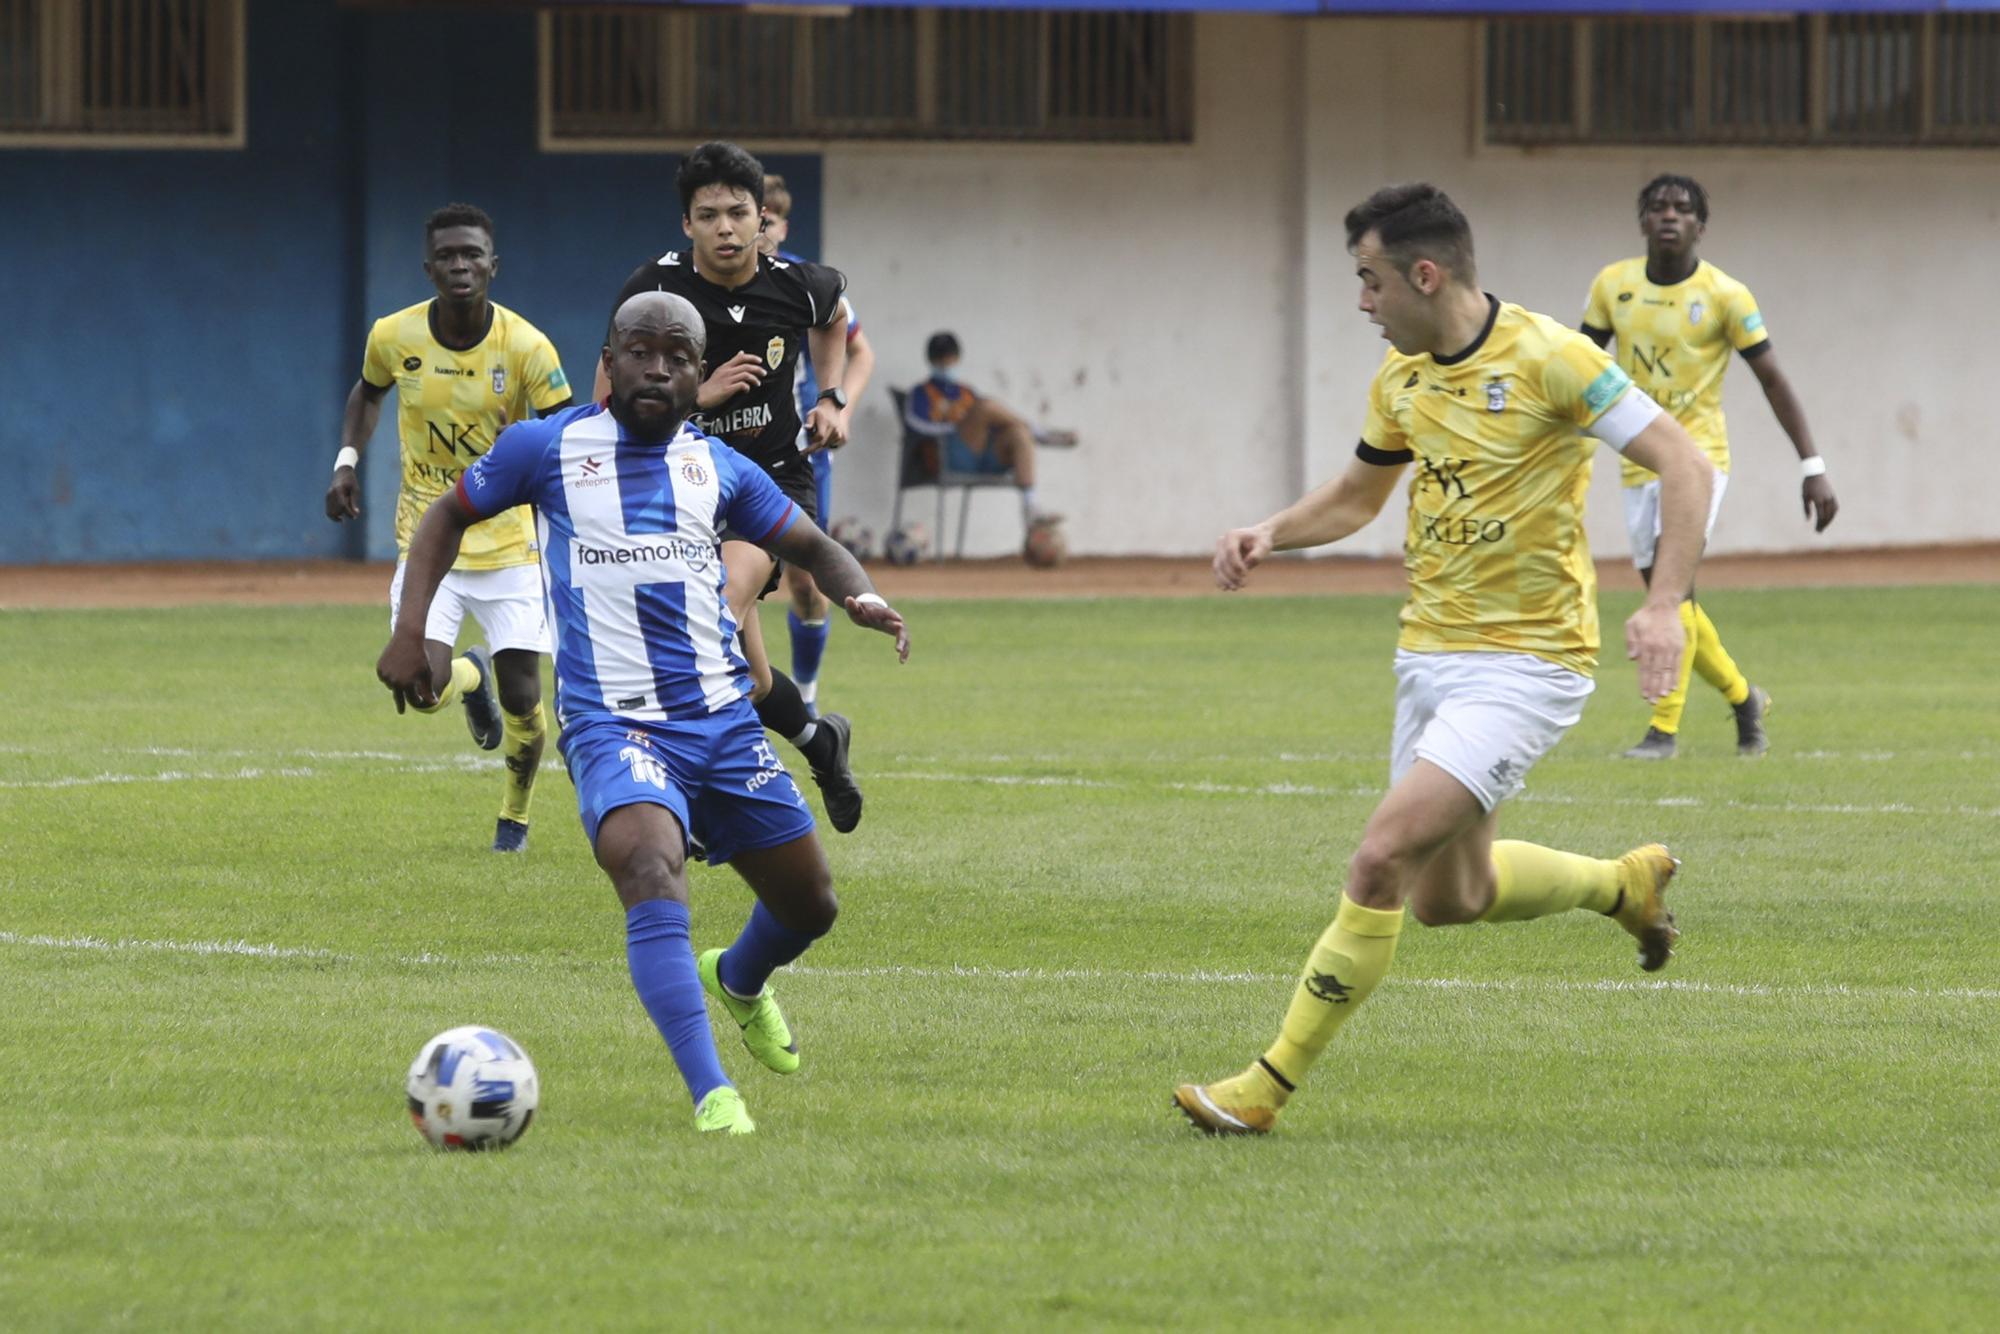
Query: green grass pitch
{"x": 237, "y": 892}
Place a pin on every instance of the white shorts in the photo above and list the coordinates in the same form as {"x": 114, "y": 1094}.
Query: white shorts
{"x": 1642, "y": 517}
{"x": 1483, "y": 718}
{"x": 507, "y": 604}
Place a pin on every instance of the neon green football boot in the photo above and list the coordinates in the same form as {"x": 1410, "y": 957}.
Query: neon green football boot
{"x": 722, "y": 1113}
{"x": 765, "y": 1031}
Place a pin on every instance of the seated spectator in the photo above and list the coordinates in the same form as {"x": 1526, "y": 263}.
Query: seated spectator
{"x": 979, "y": 434}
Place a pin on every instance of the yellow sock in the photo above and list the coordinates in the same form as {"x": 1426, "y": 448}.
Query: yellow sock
{"x": 521, "y": 749}
{"x": 1667, "y": 713}
{"x": 1350, "y": 958}
{"x": 1714, "y": 663}
{"x": 1534, "y": 881}
{"x": 464, "y": 677}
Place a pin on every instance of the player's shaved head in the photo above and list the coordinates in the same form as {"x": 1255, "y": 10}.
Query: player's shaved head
{"x": 652, "y": 360}
{"x": 658, "y": 313}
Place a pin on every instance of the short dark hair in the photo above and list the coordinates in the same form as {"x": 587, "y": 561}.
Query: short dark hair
{"x": 719, "y": 163}
{"x": 1668, "y": 181}
{"x": 1415, "y": 222}
{"x": 457, "y": 215}
{"x": 777, "y": 196}
{"x": 940, "y": 346}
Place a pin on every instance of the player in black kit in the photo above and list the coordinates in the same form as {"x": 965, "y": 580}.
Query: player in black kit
{"x": 761, "y": 313}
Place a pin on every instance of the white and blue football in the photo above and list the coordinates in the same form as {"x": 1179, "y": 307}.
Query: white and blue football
{"x": 472, "y": 1088}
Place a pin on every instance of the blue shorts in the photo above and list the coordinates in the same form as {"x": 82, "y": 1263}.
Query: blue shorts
{"x": 961, "y": 457}
{"x": 718, "y": 775}
{"x": 823, "y": 486}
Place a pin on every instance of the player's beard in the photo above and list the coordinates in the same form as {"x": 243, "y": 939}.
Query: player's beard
{"x": 652, "y": 430}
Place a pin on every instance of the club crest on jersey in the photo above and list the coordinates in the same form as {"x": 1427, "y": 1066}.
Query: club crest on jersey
{"x": 1496, "y": 395}
{"x": 1694, "y": 313}
{"x": 499, "y": 379}
{"x": 692, "y": 470}
{"x": 774, "y": 352}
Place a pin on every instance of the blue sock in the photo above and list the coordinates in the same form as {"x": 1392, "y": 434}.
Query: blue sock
{"x": 765, "y": 946}
{"x": 662, "y": 962}
{"x": 808, "y": 646}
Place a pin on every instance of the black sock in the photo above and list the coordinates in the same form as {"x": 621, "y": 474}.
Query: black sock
{"x": 783, "y": 710}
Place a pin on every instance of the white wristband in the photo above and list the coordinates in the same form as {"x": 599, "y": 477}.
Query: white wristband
{"x": 870, "y": 600}
{"x": 1812, "y": 467}
{"x": 348, "y": 457}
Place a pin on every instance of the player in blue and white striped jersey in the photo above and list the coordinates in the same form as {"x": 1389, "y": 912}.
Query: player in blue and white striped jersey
{"x": 657, "y": 727}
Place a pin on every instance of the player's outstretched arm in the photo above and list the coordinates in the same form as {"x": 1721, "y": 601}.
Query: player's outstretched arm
{"x": 357, "y": 425}
{"x": 841, "y": 578}
{"x": 1653, "y": 635}
{"x": 1816, "y": 492}
{"x": 1328, "y": 513}
{"x": 403, "y": 666}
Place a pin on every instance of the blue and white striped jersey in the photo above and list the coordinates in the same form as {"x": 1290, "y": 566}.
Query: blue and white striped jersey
{"x": 631, "y": 538}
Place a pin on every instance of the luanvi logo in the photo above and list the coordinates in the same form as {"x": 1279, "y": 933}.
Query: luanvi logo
{"x": 1411, "y": 383}
{"x": 413, "y": 363}
{"x": 1328, "y": 988}
{"x": 1624, "y": 296}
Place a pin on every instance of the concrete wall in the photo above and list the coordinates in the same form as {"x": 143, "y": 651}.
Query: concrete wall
{"x": 182, "y": 327}
{"x": 1147, "y": 297}
{"x": 1192, "y": 310}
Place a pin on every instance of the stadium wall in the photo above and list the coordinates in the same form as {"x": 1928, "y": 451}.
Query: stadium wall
{"x": 183, "y": 326}
{"x": 1192, "y": 310}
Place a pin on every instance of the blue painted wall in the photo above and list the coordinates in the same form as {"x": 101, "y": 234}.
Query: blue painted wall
{"x": 182, "y": 327}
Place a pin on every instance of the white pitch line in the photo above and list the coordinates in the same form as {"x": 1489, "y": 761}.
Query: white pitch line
{"x": 1524, "y": 985}
{"x": 988, "y": 972}
{"x": 1363, "y": 791}
{"x": 463, "y": 764}
{"x": 207, "y": 947}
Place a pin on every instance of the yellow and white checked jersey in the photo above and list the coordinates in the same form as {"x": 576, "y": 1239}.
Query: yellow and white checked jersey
{"x": 451, "y": 406}
{"x": 1675, "y": 343}
{"x": 1496, "y": 553}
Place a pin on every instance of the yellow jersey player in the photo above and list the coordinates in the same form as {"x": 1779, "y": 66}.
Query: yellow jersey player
{"x": 1496, "y": 408}
{"x": 463, "y": 368}
{"x": 1677, "y": 318}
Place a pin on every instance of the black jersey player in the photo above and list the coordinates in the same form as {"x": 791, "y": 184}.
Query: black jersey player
{"x": 761, "y": 314}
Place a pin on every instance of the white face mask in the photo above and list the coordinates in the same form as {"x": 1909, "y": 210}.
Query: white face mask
{"x": 945, "y": 374}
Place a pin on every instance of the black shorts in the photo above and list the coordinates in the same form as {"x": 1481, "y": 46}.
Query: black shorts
{"x": 796, "y": 480}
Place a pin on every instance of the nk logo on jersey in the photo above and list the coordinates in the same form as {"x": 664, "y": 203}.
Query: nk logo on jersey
{"x": 455, "y": 438}
{"x": 1446, "y": 475}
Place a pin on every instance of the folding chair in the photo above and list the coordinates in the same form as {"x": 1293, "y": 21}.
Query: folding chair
{"x": 923, "y": 463}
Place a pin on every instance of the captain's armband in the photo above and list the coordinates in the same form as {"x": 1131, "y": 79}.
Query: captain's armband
{"x": 1620, "y": 423}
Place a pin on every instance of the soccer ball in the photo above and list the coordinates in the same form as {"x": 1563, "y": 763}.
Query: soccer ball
{"x": 908, "y": 544}
{"x": 1046, "y": 546}
{"x": 856, "y": 537}
{"x": 472, "y": 1088}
